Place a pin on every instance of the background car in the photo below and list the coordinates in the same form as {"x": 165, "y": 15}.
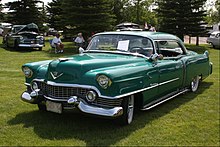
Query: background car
{"x": 24, "y": 36}
{"x": 1, "y": 31}
{"x": 214, "y": 39}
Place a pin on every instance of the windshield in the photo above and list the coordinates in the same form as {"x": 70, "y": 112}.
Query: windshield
{"x": 123, "y": 43}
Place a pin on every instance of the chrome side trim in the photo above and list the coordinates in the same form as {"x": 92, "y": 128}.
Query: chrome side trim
{"x": 162, "y": 101}
{"x": 98, "y": 92}
{"x": 169, "y": 81}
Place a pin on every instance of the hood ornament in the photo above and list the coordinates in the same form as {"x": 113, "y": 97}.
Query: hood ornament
{"x": 55, "y": 75}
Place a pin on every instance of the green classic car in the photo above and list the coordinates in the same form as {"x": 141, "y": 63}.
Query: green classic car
{"x": 117, "y": 73}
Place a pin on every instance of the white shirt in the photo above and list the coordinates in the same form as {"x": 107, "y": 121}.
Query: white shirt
{"x": 55, "y": 41}
{"x": 79, "y": 40}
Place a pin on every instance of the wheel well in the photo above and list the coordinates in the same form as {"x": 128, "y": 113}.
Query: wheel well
{"x": 138, "y": 101}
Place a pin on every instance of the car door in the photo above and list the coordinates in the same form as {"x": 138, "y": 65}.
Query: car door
{"x": 171, "y": 68}
{"x": 151, "y": 84}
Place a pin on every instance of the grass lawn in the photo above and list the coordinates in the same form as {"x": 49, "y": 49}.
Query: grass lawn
{"x": 191, "y": 119}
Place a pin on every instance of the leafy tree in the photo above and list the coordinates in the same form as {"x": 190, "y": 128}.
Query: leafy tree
{"x": 26, "y": 11}
{"x": 87, "y": 16}
{"x": 134, "y": 11}
{"x": 181, "y": 17}
{"x": 214, "y": 15}
{"x": 55, "y": 14}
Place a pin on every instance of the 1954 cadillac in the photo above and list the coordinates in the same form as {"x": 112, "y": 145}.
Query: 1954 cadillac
{"x": 118, "y": 72}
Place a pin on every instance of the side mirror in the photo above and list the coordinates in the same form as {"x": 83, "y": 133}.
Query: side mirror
{"x": 155, "y": 57}
{"x": 81, "y": 50}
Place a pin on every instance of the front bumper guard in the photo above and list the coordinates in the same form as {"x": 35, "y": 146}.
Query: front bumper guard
{"x": 82, "y": 106}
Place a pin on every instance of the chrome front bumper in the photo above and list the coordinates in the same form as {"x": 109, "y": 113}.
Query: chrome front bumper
{"x": 82, "y": 106}
{"x": 31, "y": 45}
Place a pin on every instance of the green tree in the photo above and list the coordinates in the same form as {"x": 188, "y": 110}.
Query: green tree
{"x": 214, "y": 15}
{"x": 26, "y": 11}
{"x": 181, "y": 17}
{"x": 136, "y": 11}
{"x": 54, "y": 10}
{"x": 87, "y": 16}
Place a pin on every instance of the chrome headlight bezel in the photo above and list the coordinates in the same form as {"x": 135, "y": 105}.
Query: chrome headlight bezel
{"x": 104, "y": 81}
{"x": 34, "y": 86}
{"x": 27, "y": 72}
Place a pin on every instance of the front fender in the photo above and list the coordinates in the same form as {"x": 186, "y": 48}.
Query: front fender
{"x": 39, "y": 70}
{"x": 124, "y": 79}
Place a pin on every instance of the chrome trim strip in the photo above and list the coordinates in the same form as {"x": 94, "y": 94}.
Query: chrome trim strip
{"x": 98, "y": 92}
{"x": 169, "y": 81}
{"x": 27, "y": 84}
{"x": 58, "y": 100}
{"x": 169, "y": 98}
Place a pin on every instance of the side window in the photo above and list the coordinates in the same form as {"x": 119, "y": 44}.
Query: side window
{"x": 169, "y": 48}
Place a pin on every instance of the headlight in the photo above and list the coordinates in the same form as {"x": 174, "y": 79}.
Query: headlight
{"x": 104, "y": 81}
{"x": 27, "y": 72}
{"x": 34, "y": 86}
{"x": 21, "y": 39}
{"x": 91, "y": 96}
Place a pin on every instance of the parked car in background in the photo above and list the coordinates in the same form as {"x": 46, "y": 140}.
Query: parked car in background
{"x": 214, "y": 39}
{"x": 24, "y": 36}
{"x": 128, "y": 26}
{"x": 118, "y": 72}
{"x": 1, "y": 31}
{"x": 51, "y": 32}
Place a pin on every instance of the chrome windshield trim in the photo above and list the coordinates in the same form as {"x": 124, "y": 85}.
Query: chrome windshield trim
{"x": 154, "y": 85}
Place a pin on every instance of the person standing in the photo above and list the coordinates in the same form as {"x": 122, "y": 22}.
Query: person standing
{"x": 79, "y": 40}
{"x": 57, "y": 44}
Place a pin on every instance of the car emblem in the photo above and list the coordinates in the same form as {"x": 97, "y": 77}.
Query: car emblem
{"x": 55, "y": 75}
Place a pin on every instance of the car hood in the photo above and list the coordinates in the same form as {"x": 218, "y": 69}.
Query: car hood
{"x": 73, "y": 69}
{"x": 32, "y": 27}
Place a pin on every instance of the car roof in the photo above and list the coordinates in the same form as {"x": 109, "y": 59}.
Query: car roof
{"x": 215, "y": 32}
{"x": 151, "y": 35}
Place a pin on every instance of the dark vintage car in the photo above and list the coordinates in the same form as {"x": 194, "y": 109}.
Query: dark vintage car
{"x": 118, "y": 72}
{"x": 24, "y": 36}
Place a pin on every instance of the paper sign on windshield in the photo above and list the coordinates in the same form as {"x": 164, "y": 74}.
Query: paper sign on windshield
{"x": 123, "y": 45}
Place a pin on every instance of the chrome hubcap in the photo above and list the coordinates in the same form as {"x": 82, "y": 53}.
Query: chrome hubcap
{"x": 130, "y": 108}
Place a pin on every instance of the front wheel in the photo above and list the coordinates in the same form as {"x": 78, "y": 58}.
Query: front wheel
{"x": 128, "y": 110}
{"x": 195, "y": 83}
{"x": 16, "y": 47}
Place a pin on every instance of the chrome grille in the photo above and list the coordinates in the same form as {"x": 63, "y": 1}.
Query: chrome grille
{"x": 60, "y": 92}
{"x": 108, "y": 102}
